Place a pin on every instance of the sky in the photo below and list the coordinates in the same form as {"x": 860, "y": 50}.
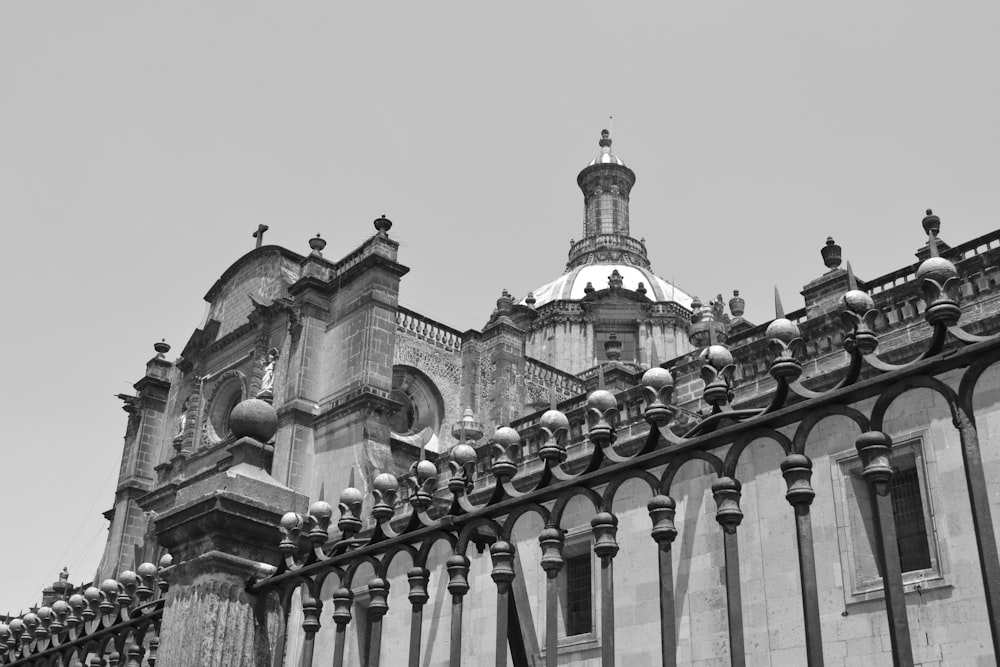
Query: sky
{"x": 142, "y": 143}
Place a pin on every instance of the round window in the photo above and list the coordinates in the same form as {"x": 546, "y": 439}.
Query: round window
{"x": 226, "y": 395}
{"x": 422, "y": 405}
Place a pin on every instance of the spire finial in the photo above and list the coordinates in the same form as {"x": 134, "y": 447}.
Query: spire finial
{"x": 654, "y": 358}
{"x": 852, "y": 282}
{"x": 605, "y": 142}
{"x": 932, "y": 227}
{"x": 779, "y": 311}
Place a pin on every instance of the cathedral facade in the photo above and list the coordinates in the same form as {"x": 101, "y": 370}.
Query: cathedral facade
{"x": 609, "y": 471}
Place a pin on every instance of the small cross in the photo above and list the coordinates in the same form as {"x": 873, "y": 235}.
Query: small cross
{"x": 259, "y": 234}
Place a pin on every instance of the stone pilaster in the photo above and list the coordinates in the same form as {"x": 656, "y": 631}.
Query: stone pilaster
{"x": 143, "y": 436}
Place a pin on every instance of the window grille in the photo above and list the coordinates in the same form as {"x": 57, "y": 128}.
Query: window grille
{"x": 578, "y": 596}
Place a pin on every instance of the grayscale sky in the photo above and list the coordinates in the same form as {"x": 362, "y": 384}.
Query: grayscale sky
{"x": 141, "y": 144}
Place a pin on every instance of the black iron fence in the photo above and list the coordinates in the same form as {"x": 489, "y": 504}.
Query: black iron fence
{"x": 467, "y": 515}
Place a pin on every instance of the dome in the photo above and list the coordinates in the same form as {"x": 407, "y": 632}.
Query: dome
{"x": 571, "y": 285}
{"x": 606, "y": 158}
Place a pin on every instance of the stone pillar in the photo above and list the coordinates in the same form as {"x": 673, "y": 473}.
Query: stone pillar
{"x": 351, "y": 430}
{"x": 222, "y": 532}
{"x": 502, "y": 358}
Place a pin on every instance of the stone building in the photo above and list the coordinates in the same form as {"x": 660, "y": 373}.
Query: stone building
{"x": 549, "y": 439}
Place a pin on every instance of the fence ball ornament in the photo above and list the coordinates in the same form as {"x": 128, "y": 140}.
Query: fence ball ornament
{"x": 786, "y": 344}
{"x": 717, "y": 371}
{"x": 506, "y": 446}
{"x": 351, "y": 500}
{"x": 657, "y": 388}
{"x": 555, "y": 427}
{"x": 385, "y": 487}
{"x": 602, "y": 417}
{"x": 858, "y": 315}
{"x": 319, "y": 516}
{"x": 462, "y": 465}
{"x": 938, "y": 280}
{"x": 422, "y": 481}
{"x": 290, "y": 527}
{"x": 60, "y": 611}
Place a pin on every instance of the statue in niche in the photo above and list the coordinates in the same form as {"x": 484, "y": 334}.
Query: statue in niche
{"x": 267, "y": 382}
{"x": 182, "y": 418}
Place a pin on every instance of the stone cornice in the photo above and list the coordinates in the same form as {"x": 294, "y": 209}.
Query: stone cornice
{"x": 231, "y": 521}
{"x": 500, "y": 327}
{"x": 297, "y": 410}
{"x": 369, "y": 401}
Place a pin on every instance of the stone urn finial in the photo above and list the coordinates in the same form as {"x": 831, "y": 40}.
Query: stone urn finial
{"x": 317, "y": 244}
{"x": 831, "y": 253}
{"x": 382, "y": 226}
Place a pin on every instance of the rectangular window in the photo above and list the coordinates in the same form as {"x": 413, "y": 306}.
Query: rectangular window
{"x": 629, "y": 341}
{"x": 579, "y": 612}
{"x": 911, "y": 530}
{"x": 912, "y": 511}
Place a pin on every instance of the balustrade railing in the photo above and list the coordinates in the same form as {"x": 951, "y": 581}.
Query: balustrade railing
{"x": 423, "y": 328}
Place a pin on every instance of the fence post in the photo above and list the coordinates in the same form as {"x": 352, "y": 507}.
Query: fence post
{"x": 662, "y": 510}
{"x": 797, "y": 470}
{"x": 726, "y": 491}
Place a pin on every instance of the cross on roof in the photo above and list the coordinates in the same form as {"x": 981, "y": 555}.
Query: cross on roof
{"x": 259, "y": 234}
